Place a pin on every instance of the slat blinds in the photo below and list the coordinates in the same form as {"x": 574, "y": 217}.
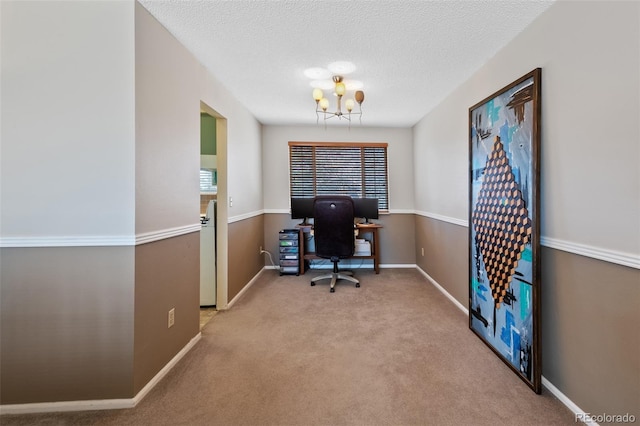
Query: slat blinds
{"x": 207, "y": 180}
{"x": 329, "y": 168}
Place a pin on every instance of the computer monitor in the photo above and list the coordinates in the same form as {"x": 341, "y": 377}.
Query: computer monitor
{"x": 366, "y": 208}
{"x": 301, "y": 208}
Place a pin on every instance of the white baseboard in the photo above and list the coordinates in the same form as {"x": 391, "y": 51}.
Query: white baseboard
{"x": 443, "y": 291}
{"x": 99, "y": 404}
{"x": 566, "y": 401}
{"x": 244, "y": 290}
{"x": 546, "y": 383}
{"x": 397, "y": 265}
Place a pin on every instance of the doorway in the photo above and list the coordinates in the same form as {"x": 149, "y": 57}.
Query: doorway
{"x": 221, "y": 215}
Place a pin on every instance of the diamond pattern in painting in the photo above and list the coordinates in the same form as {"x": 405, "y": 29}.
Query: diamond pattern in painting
{"x": 501, "y": 222}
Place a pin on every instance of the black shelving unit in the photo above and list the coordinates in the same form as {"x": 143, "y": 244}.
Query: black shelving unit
{"x": 289, "y": 244}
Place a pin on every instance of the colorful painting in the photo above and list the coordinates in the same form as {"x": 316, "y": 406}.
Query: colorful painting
{"x": 504, "y": 234}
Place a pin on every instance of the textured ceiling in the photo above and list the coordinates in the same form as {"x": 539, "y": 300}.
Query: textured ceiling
{"x": 409, "y": 54}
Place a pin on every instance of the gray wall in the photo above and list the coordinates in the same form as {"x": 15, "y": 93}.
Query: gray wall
{"x": 590, "y": 194}
{"x": 167, "y": 147}
{"x": 72, "y": 66}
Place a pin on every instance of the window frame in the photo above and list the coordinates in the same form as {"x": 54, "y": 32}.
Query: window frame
{"x": 360, "y": 145}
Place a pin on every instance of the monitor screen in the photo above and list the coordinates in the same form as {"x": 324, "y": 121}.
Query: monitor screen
{"x": 301, "y": 208}
{"x": 366, "y": 208}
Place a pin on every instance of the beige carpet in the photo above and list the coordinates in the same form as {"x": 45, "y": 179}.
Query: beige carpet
{"x": 393, "y": 352}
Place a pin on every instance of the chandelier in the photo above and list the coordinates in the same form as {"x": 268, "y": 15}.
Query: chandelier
{"x": 339, "y": 90}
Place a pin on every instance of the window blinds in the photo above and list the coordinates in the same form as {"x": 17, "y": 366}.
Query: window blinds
{"x": 324, "y": 168}
{"x": 207, "y": 180}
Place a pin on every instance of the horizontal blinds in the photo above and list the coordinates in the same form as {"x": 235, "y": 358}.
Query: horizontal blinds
{"x": 302, "y": 172}
{"x": 358, "y": 170}
{"x": 375, "y": 176}
{"x": 207, "y": 181}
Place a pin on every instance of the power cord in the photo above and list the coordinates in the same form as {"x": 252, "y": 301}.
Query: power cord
{"x": 270, "y": 258}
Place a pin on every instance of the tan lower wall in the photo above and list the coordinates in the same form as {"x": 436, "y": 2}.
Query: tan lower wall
{"x": 245, "y": 260}
{"x": 66, "y": 319}
{"x": 397, "y": 237}
{"x": 167, "y": 276}
{"x": 446, "y": 255}
{"x": 590, "y": 331}
{"x": 589, "y": 313}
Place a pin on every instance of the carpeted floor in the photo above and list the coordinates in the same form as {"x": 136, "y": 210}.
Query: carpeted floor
{"x": 392, "y": 352}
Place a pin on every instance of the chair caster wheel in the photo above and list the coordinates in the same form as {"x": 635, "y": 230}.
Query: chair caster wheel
{"x": 333, "y": 290}
{"x": 312, "y": 283}
{"x": 357, "y": 284}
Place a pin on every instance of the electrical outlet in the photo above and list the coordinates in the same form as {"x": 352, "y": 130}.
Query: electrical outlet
{"x": 423, "y": 251}
{"x": 172, "y": 317}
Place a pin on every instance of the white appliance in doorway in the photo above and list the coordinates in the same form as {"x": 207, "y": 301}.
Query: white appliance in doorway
{"x": 208, "y": 256}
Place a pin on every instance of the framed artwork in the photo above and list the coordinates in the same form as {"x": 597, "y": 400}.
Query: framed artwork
{"x": 504, "y": 231}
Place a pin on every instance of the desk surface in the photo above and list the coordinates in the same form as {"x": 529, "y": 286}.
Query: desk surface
{"x": 358, "y": 225}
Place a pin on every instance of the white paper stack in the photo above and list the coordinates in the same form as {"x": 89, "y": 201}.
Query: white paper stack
{"x": 363, "y": 247}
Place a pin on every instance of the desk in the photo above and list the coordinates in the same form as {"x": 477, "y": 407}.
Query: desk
{"x": 371, "y": 228}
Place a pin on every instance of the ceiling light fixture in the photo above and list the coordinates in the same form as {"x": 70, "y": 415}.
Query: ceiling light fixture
{"x": 339, "y": 90}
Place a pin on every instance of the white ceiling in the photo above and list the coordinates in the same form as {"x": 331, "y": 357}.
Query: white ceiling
{"x": 409, "y": 54}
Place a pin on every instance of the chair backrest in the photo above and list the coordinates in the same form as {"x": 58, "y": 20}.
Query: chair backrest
{"x": 333, "y": 226}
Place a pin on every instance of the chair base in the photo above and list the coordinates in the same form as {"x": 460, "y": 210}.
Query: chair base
{"x": 335, "y": 276}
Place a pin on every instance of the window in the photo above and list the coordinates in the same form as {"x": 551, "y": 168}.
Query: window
{"x": 208, "y": 180}
{"x": 336, "y": 168}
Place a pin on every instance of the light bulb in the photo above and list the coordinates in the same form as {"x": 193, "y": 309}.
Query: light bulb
{"x": 340, "y": 89}
{"x": 349, "y": 104}
{"x": 317, "y": 94}
{"x": 324, "y": 104}
{"x": 359, "y": 96}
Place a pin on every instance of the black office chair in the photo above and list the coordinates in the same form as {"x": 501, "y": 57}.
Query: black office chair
{"x": 333, "y": 233}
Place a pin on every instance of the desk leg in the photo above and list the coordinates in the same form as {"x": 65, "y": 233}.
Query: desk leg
{"x": 301, "y": 251}
{"x": 376, "y": 254}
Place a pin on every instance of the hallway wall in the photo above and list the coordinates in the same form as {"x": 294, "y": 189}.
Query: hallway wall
{"x": 67, "y": 176}
{"x": 590, "y": 194}
{"x": 100, "y": 200}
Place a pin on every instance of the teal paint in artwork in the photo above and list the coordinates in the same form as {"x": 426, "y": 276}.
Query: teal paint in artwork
{"x": 493, "y": 111}
{"x": 527, "y": 255}
{"x": 525, "y": 300}
{"x": 478, "y": 289}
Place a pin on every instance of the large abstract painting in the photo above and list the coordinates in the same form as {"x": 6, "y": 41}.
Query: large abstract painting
{"x": 504, "y": 266}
